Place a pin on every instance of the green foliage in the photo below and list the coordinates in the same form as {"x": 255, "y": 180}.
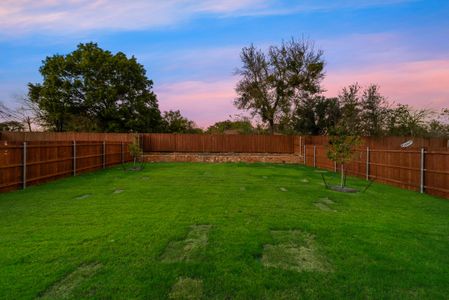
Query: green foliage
{"x": 174, "y": 122}
{"x": 135, "y": 150}
{"x": 11, "y": 126}
{"x": 92, "y": 89}
{"x": 374, "y": 112}
{"x": 350, "y": 108}
{"x": 241, "y": 126}
{"x": 271, "y": 83}
{"x": 316, "y": 115}
{"x": 403, "y": 120}
{"x": 341, "y": 148}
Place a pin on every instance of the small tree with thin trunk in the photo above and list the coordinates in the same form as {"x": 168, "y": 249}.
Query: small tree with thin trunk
{"x": 341, "y": 149}
{"x": 135, "y": 150}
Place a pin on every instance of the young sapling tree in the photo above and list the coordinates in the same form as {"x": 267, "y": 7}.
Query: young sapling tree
{"x": 341, "y": 149}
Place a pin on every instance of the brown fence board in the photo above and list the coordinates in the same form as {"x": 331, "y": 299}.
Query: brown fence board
{"x": 401, "y": 168}
{"x": 46, "y": 161}
{"x": 157, "y": 142}
{"x": 50, "y": 155}
{"x": 65, "y": 136}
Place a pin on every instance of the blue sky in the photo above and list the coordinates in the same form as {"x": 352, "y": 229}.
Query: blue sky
{"x": 191, "y": 48}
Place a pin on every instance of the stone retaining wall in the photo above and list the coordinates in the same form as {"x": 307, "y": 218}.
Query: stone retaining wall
{"x": 224, "y": 157}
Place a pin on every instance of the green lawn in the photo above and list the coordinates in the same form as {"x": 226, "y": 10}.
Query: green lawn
{"x": 220, "y": 231}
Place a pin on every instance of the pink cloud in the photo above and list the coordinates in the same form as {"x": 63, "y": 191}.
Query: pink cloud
{"x": 419, "y": 83}
{"x": 204, "y": 102}
{"x": 422, "y": 84}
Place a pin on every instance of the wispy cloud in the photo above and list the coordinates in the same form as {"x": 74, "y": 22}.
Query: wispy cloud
{"x": 418, "y": 83}
{"x": 68, "y": 16}
{"x": 80, "y": 15}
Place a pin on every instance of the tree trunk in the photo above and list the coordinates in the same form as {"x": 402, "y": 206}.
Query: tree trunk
{"x": 342, "y": 178}
{"x": 271, "y": 124}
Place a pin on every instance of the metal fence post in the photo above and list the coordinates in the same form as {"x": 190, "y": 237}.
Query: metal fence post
{"x": 421, "y": 188}
{"x": 74, "y": 158}
{"x": 367, "y": 163}
{"x": 24, "y": 166}
{"x": 314, "y": 156}
{"x": 104, "y": 154}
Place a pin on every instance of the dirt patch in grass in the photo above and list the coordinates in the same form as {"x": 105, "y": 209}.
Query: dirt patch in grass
{"x": 189, "y": 249}
{"x": 80, "y": 197}
{"x": 326, "y": 201}
{"x": 187, "y": 288}
{"x": 324, "y": 204}
{"x": 118, "y": 191}
{"x": 243, "y": 188}
{"x": 64, "y": 288}
{"x": 295, "y": 251}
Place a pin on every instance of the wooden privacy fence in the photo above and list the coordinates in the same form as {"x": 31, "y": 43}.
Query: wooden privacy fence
{"x": 415, "y": 169}
{"x": 29, "y": 163}
{"x": 220, "y": 143}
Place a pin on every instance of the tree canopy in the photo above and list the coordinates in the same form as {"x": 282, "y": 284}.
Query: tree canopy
{"x": 272, "y": 82}
{"x": 174, "y": 122}
{"x": 92, "y": 89}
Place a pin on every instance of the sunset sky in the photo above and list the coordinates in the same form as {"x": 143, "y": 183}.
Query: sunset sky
{"x": 190, "y": 48}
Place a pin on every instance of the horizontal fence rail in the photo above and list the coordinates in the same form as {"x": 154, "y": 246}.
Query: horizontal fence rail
{"x": 219, "y": 143}
{"x": 28, "y": 163}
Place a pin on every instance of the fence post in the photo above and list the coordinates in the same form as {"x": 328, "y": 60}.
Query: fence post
{"x": 74, "y": 158}
{"x": 305, "y": 154}
{"x": 122, "y": 153}
{"x": 367, "y": 163}
{"x": 421, "y": 189}
{"x": 335, "y": 166}
{"x": 314, "y": 156}
{"x": 24, "y": 166}
{"x": 104, "y": 154}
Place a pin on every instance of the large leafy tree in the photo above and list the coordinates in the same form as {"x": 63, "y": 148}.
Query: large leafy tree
{"x": 272, "y": 83}
{"x": 174, "y": 122}
{"x": 374, "y": 111}
{"x": 241, "y": 126}
{"x": 93, "y": 89}
{"x": 316, "y": 115}
{"x": 403, "y": 120}
{"x": 351, "y": 109}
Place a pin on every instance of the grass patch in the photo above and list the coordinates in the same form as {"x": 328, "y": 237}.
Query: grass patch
{"x": 294, "y": 250}
{"x": 64, "y": 288}
{"x": 385, "y": 243}
{"x": 187, "y": 288}
{"x": 118, "y": 191}
{"x": 190, "y": 248}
